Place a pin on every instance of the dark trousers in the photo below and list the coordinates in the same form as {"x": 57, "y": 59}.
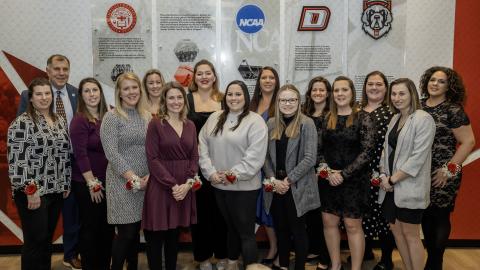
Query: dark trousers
{"x": 209, "y": 235}
{"x": 125, "y": 246}
{"x": 436, "y": 229}
{"x": 239, "y": 211}
{"x": 288, "y": 225}
{"x": 316, "y": 237}
{"x": 71, "y": 227}
{"x": 96, "y": 235}
{"x": 155, "y": 240}
{"x": 38, "y": 227}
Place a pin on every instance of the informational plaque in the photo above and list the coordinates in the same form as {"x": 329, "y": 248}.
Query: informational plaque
{"x": 122, "y": 39}
{"x": 315, "y": 40}
{"x": 186, "y": 34}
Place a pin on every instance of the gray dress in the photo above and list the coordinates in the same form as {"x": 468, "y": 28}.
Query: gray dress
{"x": 123, "y": 141}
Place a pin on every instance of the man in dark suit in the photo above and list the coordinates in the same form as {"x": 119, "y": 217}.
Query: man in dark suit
{"x": 58, "y": 71}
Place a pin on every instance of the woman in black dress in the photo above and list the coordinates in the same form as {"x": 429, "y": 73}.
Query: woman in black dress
{"x": 316, "y": 105}
{"x": 374, "y": 102}
{"x": 348, "y": 138}
{"x": 209, "y": 235}
{"x": 444, "y": 94}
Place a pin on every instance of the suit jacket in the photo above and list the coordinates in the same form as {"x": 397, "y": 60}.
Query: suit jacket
{"x": 302, "y": 174}
{"x": 413, "y": 156}
{"x": 72, "y": 95}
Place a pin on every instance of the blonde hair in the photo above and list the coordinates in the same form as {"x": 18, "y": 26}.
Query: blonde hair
{"x": 332, "y": 116}
{"x": 141, "y": 106}
{"x": 293, "y": 129}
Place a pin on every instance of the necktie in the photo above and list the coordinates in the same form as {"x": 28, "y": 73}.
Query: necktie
{"x": 59, "y": 105}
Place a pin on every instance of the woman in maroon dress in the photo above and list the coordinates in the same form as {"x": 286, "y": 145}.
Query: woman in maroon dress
{"x": 172, "y": 156}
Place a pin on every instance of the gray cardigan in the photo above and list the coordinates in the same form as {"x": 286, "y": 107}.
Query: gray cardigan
{"x": 302, "y": 174}
{"x": 413, "y": 156}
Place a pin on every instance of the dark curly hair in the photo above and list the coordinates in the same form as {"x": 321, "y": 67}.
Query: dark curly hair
{"x": 456, "y": 89}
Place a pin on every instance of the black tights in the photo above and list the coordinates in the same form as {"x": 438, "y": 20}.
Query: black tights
{"x": 436, "y": 230}
{"x": 387, "y": 244}
{"x": 125, "y": 246}
{"x": 155, "y": 241}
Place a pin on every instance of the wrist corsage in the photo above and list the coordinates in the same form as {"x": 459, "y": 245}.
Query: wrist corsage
{"x": 269, "y": 184}
{"x": 323, "y": 171}
{"x": 195, "y": 183}
{"x": 32, "y": 188}
{"x": 94, "y": 185}
{"x": 231, "y": 177}
{"x": 451, "y": 169}
{"x": 375, "y": 180}
{"x": 133, "y": 184}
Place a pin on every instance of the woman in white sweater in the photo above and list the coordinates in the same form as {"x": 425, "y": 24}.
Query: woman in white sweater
{"x": 233, "y": 145}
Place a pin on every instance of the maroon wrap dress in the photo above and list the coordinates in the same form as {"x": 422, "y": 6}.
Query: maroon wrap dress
{"x": 171, "y": 161}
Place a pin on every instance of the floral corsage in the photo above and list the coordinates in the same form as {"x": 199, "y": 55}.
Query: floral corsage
{"x": 451, "y": 169}
{"x": 269, "y": 184}
{"x": 32, "y": 188}
{"x": 231, "y": 177}
{"x": 323, "y": 171}
{"x": 133, "y": 184}
{"x": 375, "y": 180}
{"x": 195, "y": 183}
{"x": 95, "y": 185}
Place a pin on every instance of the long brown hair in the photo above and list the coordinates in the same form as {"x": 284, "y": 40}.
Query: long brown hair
{"x": 82, "y": 107}
{"x": 145, "y": 77}
{"x": 293, "y": 129}
{"x": 223, "y": 116}
{"x": 414, "y": 99}
{"x": 332, "y": 115}
{"x": 193, "y": 87}
{"x": 257, "y": 92}
{"x": 31, "y": 111}
{"x": 309, "y": 105}
{"x": 163, "y": 111}
{"x": 456, "y": 92}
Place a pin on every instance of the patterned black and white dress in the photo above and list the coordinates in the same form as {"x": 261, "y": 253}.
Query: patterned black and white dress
{"x": 374, "y": 224}
{"x": 123, "y": 141}
{"x": 37, "y": 151}
{"x": 447, "y": 116}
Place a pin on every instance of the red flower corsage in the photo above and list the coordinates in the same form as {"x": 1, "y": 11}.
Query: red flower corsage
{"x": 451, "y": 169}
{"x": 269, "y": 185}
{"x": 32, "y": 188}
{"x": 133, "y": 184}
{"x": 195, "y": 183}
{"x": 375, "y": 180}
{"x": 323, "y": 171}
{"x": 231, "y": 177}
{"x": 95, "y": 185}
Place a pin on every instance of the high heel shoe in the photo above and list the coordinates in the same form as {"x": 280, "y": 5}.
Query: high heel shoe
{"x": 321, "y": 266}
{"x": 266, "y": 261}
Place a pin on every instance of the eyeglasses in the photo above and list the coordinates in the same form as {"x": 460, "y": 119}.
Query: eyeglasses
{"x": 285, "y": 101}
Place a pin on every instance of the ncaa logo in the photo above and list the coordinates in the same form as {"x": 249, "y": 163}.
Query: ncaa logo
{"x": 250, "y": 19}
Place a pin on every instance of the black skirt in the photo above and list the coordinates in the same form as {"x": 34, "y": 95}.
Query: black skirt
{"x": 406, "y": 215}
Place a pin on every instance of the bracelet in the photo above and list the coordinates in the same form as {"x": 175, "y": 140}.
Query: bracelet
{"x": 94, "y": 185}
{"x": 390, "y": 182}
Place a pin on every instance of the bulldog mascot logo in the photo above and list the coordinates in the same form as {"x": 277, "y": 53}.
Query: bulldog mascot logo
{"x": 377, "y": 17}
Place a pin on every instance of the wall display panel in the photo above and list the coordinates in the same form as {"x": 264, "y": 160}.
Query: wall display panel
{"x": 250, "y": 39}
{"x": 122, "y": 39}
{"x": 376, "y": 39}
{"x": 186, "y": 34}
{"x": 315, "y": 40}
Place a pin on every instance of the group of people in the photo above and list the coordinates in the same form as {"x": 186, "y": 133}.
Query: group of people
{"x": 217, "y": 163}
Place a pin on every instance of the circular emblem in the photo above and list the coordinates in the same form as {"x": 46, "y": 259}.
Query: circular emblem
{"x": 121, "y": 18}
{"x": 250, "y": 19}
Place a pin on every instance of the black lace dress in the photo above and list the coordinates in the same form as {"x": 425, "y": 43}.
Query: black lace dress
{"x": 447, "y": 116}
{"x": 349, "y": 149}
{"x": 374, "y": 223}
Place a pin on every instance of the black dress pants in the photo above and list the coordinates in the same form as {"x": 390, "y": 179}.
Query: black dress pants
{"x": 96, "y": 235}
{"x": 38, "y": 227}
{"x": 155, "y": 241}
